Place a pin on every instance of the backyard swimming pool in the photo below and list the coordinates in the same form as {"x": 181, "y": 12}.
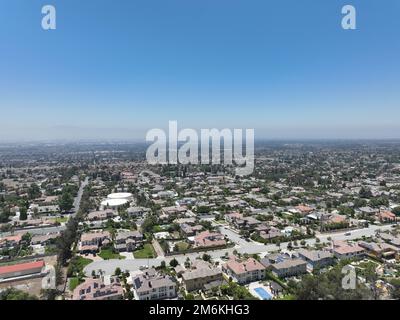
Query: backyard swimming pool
{"x": 263, "y": 293}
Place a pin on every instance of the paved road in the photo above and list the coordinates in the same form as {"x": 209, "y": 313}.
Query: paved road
{"x": 35, "y": 231}
{"x": 109, "y": 266}
{"x": 78, "y": 198}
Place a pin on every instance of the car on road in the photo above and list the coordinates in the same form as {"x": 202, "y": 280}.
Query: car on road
{"x": 143, "y": 267}
{"x": 347, "y": 234}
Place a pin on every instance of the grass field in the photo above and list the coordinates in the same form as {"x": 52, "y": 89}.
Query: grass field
{"x": 61, "y": 219}
{"x": 108, "y": 254}
{"x": 182, "y": 246}
{"x": 73, "y": 283}
{"x": 147, "y": 252}
{"x": 82, "y": 262}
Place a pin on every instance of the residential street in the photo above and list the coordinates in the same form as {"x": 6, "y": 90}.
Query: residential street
{"x": 242, "y": 246}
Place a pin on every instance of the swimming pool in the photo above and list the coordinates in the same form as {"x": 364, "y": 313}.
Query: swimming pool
{"x": 263, "y": 293}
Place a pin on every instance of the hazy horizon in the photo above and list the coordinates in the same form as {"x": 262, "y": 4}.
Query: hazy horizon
{"x": 114, "y": 71}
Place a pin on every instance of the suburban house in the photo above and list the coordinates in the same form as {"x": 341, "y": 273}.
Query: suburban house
{"x": 386, "y": 217}
{"x": 10, "y": 241}
{"x": 100, "y": 215}
{"x": 137, "y": 211}
{"x": 316, "y": 258}
{"x": 289, "y": 268}
{"x": 241, "y": 222}
{"x": 189, "y": 231}
{"x": 196, "y": 279}
{"x": 269, "y": 233}
{"x": 380, "y": 250}
{"x": 96, "y": 289}
{"x": 244, "y": 271}
{"x": 304, "y": 210}
{"x": 153, "y": 286}
{"x": 207, "y": 239}
{"x": 44, "y": 239}
{"x": 344, "y": 250}
{"x": 92, "y": 241}
{"x": 128, "y": 241}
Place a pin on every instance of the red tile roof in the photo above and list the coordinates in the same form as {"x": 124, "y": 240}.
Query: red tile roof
{"x": 21, "y": 267}
{"x": 245, "y": 266}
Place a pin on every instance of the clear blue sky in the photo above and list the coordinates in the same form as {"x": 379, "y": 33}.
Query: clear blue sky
{"x": 114, "y": 69}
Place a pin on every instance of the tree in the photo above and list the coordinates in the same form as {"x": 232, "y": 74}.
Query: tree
{"x": 187, "y": 263}
{"x": 15, "y": 294}
{"x": 396, "y": 211}
{"x": 26, "y": 238}
{"x": 365, "y": 193}
{"x": 148, "y": 223}
{"x": 189, "y": 296}
{"x": 49, "y": 294}
{"x": 396, "y": 288}
{"x": 206, "y": 257}
{"x": 173, "y": 263}
{"x": 66, "y": 201}
{"x": 34, "y": 191}
{"x": 328, "y": 286}
{"x": 4, "y": 214}
{"x": 117, "y": 271}
{"x": 23, "y": 213}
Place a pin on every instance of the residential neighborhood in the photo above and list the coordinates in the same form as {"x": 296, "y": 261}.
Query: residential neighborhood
{"x": 107, "y": 227}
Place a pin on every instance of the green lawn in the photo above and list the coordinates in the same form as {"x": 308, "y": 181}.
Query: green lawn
{"x": 73, "y": 283}
{"x": 107, "y": 254}
{"x": 147, "y": 252}
{"x": 182, "y": 246}
{"x": 61, "y": 219}
{"x": 82, "y": 262}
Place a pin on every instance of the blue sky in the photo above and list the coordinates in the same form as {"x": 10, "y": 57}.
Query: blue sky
{"x": 115, "y": 69}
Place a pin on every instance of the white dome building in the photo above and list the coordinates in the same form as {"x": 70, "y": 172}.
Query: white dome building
{"x": 113, "y": 203}
{"x": 116, "y": 200}
{"x": 121, "y": 195}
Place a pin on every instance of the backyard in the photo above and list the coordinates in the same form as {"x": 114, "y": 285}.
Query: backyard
{"x": 145, "y": 253}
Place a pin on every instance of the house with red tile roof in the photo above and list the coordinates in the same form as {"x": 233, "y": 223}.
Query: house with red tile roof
{"x": 386, "y": 216}
{"x": 346, "y": 250}
{"x": 207, "y": 239}
{"x": 304, "y": 210}
{"x": 11, "y": 241}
